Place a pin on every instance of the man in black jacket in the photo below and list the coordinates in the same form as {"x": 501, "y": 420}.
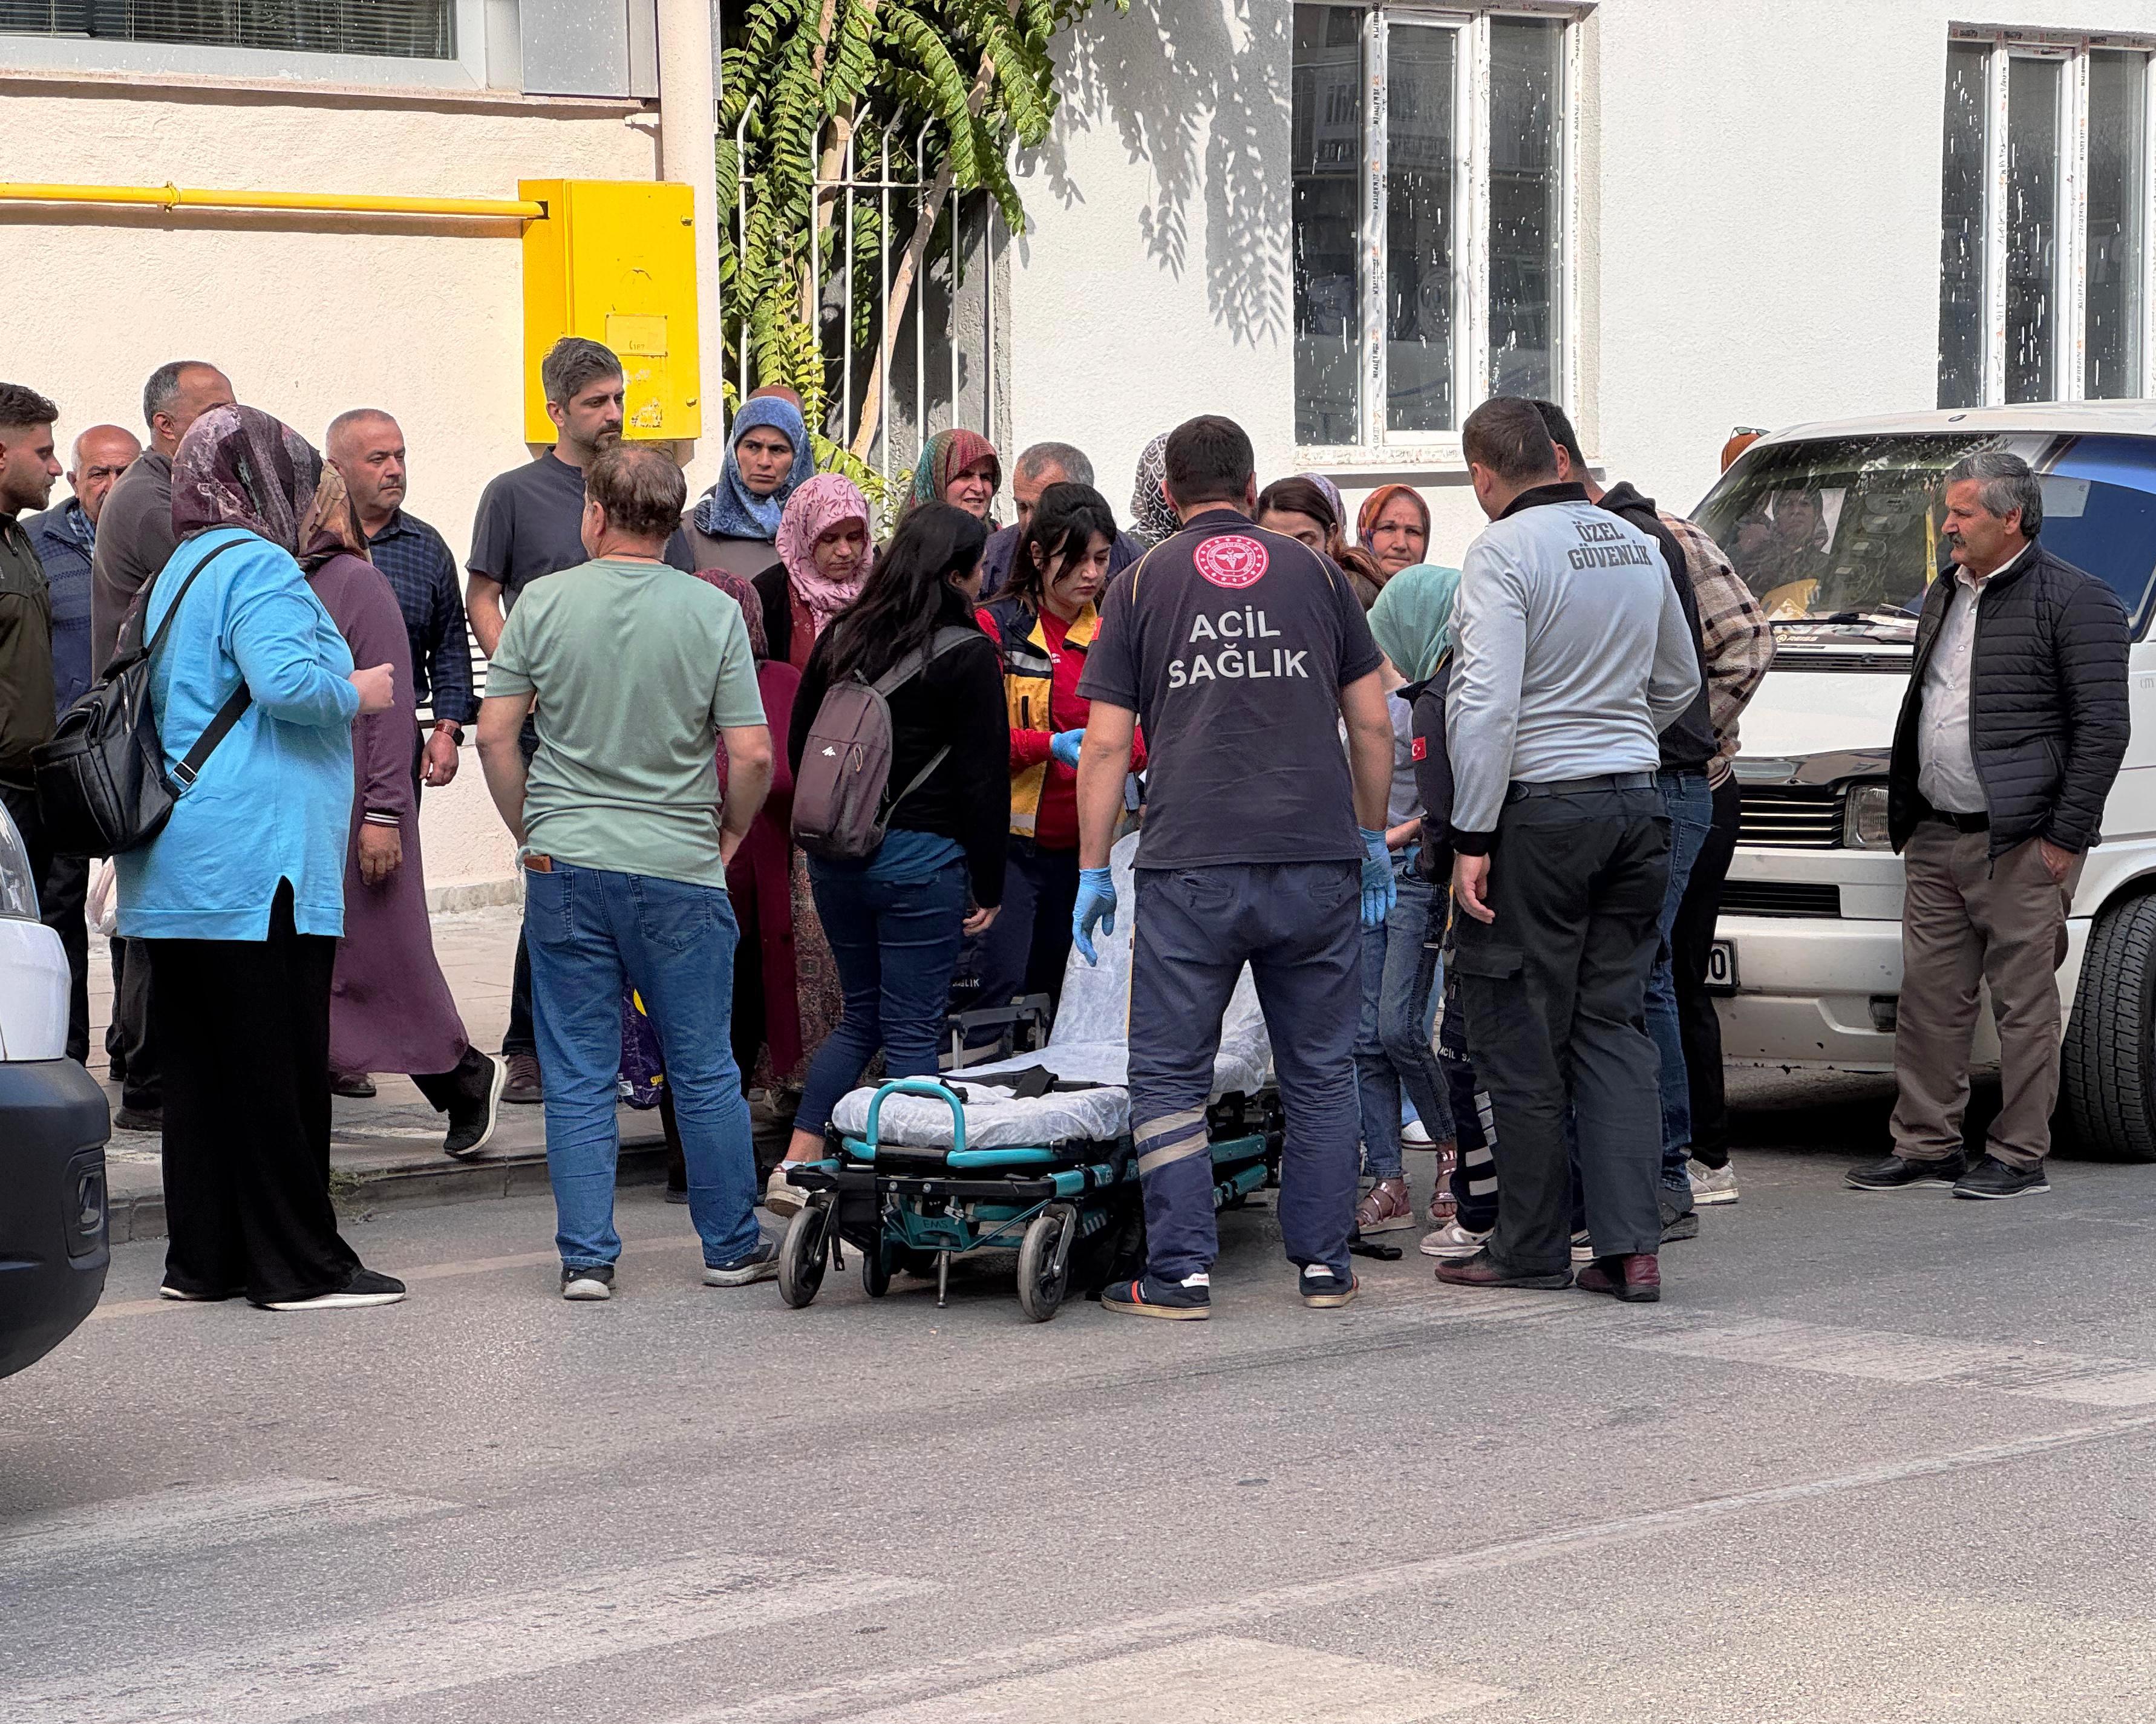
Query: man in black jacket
{"x": 2012, "y": 730}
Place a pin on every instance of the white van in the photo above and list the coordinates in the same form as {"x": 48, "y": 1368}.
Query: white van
{"x": 1835, "y": 528}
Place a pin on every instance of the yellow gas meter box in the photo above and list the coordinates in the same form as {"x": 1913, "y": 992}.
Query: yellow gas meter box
{"x": 615, "y": 261}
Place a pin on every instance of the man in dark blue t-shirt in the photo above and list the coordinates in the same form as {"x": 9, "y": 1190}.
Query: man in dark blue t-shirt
{"x": 1240, "y": 651}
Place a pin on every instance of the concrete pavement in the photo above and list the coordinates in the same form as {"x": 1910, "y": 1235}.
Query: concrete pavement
{"x": 1875, "y": 1458}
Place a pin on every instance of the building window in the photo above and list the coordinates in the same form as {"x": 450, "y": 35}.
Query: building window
{"x": 400, "y": 29}
{"x": 2044, "y": 205}
{"x": 1431, "y": 179}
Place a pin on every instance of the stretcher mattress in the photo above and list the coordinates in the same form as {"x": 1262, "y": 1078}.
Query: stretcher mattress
{"x": 1088, "y": 1043}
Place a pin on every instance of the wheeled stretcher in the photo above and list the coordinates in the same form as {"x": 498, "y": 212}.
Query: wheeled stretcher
{"x": 1031, "y": 1153}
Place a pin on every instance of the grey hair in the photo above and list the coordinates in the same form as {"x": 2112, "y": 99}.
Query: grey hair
{"x": 573, "y": 361}
{"x": 163, "y": 388}
{"x": 351, "y": 417}
{"x": 2009, "y": 483}
{"x": 1070, "y": 462}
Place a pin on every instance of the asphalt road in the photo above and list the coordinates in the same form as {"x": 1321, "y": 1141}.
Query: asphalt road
{"x": 1873, "y": 1459}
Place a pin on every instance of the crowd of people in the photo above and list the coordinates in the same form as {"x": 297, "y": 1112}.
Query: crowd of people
{"x": 1466, "y": 827}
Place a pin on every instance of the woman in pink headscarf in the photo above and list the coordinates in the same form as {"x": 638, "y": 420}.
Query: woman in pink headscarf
{"x": 824, "y": 556}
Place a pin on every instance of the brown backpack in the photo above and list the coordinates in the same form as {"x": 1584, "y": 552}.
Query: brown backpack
{"x": 840, "y": 802}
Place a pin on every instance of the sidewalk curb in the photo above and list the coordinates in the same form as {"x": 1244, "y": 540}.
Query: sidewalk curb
{"x": 359, "y": 1191}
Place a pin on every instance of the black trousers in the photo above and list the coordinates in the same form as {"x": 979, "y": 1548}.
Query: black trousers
{"x": 520, "y": 1038}
{"x": 1555, "y": 994}
{"x": 131, "y": 1040}
{"x": 1692, "y": 940}
{"x": 1028, "y": 944}
{"x": 66, "y": 893}
{"x": 245, "y": 1026}
{"x": 63, "y": 884}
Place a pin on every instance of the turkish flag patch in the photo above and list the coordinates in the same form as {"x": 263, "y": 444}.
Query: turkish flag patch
{"x": 1420, "y": 751}
{"x": 1231, "y": 560}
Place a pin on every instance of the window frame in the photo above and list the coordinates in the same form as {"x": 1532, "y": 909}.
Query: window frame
{"x": 2070, "y": 335}
{"x": 97, "y": 55}
{"x": 1376, "y": 448}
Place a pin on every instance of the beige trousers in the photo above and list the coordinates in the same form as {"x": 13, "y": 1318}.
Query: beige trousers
{"x": 1965, "y": 920}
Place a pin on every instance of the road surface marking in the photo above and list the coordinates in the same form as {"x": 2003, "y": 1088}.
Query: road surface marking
{"x": 836, "y": 1699}
{"x": 447, "y": 1643}
{"x": 162, "y": 1525}
{"x": 1220, "y": 1679}
{"x": 2039, "y": 1373}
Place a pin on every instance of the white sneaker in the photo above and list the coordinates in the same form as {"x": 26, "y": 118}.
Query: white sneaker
{"x": 1712, "y": 1185}
{"x": 364, "y": 1288}
{"x": 1583, "y": 1248}
{"x": 1415, "y": 1135}
{"x": 1453, "y": 1241}
{"x": 780, "y": 1198}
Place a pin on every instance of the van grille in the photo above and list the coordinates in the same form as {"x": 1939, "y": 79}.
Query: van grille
{"x": 1768, "y": 897}
{"x": 1791, "y": 817}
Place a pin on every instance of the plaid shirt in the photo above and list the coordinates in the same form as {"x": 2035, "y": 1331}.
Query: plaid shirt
{"x": 424, "y": 576}
{"x": 1738, "y": 639}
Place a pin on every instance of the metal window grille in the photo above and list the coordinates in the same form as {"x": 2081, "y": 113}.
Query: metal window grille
{"x": 401, "y": 30}
{"x": 943, "y": 356}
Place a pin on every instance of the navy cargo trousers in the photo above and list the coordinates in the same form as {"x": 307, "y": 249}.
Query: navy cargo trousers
{"x": 1298, "y": 926}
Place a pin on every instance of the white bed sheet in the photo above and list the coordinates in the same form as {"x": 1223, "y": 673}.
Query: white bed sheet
{"x": 1087, "y": 1043}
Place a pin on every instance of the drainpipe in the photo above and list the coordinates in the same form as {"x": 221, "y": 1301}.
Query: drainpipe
{"x": 688, "y": 138}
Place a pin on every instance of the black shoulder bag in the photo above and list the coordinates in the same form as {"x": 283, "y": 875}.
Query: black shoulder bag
{"x": 101, "y": 782}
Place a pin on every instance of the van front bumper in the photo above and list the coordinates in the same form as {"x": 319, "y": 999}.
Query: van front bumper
{"x": 1822, "y": 991}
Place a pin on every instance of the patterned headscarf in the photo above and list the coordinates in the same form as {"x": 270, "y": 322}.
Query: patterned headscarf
{"x": 742, "y": 591}
{"x": 239, "y": 467}
{"x": 1373, "y": 505}
{"x": 946, "y": 455}
{"x": 730, "y": 509}
{"x": 826, "y": 501}
{"x": 1412, "y": 619}
{"x": 332, "y": 526}
{"x": 1151, "y": 518}
{"x": 1332, "y": 494}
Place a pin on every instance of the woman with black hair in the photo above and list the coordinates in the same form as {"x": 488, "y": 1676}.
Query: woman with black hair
{"x": 895, "y": 919}
{"x": 1045, "y": 620}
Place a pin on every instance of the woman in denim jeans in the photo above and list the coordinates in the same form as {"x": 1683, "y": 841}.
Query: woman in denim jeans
{"x": 1412, "y": 622}
{"x": 895, "y": 919}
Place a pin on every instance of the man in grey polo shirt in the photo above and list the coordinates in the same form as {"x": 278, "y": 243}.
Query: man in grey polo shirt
{"x": 1572, "y": 655}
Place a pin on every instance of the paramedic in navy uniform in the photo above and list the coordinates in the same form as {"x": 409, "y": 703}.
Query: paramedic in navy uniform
{"x": 1240, "y": 650}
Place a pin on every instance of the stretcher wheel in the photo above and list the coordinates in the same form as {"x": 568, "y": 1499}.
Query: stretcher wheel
{"x": 801, "y": 1257}
{"x": 876, "y": 1270}
{"x": 1044, "y": 1264}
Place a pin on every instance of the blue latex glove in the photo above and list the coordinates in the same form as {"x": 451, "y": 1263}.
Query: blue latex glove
{"x": 1097, "y": 904}
{"x": 1379, "y": 886}
{"x": 1063, "y": 745}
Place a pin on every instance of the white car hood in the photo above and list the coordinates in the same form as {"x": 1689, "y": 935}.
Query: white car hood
{"x": 1800, "y": 712}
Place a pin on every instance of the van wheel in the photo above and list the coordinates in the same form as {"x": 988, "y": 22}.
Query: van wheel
{"x": 2108, "y": 1087}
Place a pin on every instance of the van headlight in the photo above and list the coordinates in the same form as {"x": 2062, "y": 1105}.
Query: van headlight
{"x": 19, "y": 887}
{"x": 1864, "y": 817}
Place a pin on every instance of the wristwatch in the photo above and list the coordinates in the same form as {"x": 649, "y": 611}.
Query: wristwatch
{"x": 452, "y": 729}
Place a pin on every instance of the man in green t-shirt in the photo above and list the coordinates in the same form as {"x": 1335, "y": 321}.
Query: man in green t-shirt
{"x": 638, "y": 673}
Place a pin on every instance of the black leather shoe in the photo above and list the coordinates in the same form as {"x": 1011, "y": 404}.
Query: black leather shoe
{"x": 1484, "y": 1271}
{"x": 1900, "y": 1173}
{"x": 1991, "y": 1177}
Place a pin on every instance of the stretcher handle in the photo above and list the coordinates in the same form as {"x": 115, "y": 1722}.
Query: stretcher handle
{"x": 929, "y": 1090}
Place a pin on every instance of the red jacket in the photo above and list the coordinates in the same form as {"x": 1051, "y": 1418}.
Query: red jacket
{"x": 1054, "y": 806}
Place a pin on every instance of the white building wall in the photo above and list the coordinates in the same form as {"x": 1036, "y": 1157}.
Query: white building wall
{"x": 309, "y": 314}
{"x": 1153, "y": 285}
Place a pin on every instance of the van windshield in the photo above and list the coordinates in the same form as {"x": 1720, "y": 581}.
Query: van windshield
{"x": 1839, "y": 537}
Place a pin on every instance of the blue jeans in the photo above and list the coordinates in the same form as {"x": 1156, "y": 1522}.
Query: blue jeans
{"x": 1690, "y": 806}
{"x": 895, "y": 943}
{"x": 1392, "y": 1042}
{"x": 591, "y": 932}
